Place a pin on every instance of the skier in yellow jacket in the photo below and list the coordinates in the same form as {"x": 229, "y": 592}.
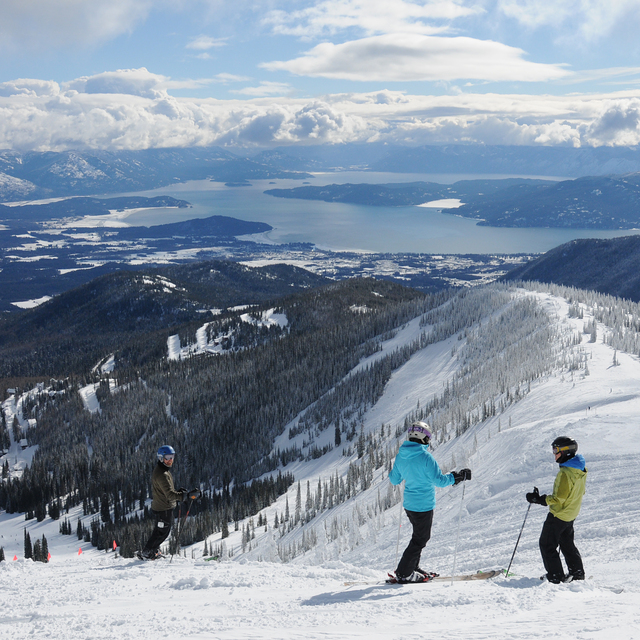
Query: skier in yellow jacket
{"x": 564, "y": 506}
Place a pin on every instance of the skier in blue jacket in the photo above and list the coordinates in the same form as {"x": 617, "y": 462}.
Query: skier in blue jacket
{"x": 421, "y": 473}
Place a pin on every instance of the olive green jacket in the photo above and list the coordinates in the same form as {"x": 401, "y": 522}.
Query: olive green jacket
{"x": 164, "y": 494}
{"x": 568, "y": 489}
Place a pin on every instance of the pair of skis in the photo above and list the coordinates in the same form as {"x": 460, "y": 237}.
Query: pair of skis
{"x": 431, "y": 577}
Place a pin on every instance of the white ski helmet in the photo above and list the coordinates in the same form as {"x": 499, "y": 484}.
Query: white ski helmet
{"x": 420, "y": 432}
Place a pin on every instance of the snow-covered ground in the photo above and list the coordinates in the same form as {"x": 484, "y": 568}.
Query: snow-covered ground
{"x": 96, "y": 594}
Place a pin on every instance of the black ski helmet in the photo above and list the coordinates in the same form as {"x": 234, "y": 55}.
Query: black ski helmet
{"x": 566, "y": 447}
{"x": 420, "y": 432}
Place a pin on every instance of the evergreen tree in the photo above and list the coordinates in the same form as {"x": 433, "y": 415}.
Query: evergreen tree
{"x": 45, "y": 549}
{"x": 37, "y": 551}
{"x": 361, "y": 442}
{"x": 28, "y": 549}
{"x": 104, "y": 508}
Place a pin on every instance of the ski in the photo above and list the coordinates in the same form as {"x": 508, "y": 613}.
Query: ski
{"x": 480, "y": 575}
{"x": 428, "y": 578}
{"x": 139, "y": 555}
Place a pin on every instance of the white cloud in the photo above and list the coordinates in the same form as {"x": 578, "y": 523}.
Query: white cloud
{"x": 42, "y": 24}
{"x": 403, "y": 57}
{"x": 265, "y": 88}
{"x": 28, "y": 87}
{"x": 618, "y": 123}
{"x": 204, "y": 43}
{"x": 225, "y": 78}
{"x": 135, "y": 82}
{"x": 166, "y": 84}
{"x": 370, "y": 17}
{"x": 36, "y": 115}
{"x": 590, "y": 20}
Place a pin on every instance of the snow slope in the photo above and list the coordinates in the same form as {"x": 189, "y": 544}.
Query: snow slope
{"x": 98, "y": 595}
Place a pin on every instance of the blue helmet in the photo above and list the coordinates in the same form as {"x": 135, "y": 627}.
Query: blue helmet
{"x": 165, "y": 450}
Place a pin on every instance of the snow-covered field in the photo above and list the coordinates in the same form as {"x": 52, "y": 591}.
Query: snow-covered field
{"x": 95, "y": 594}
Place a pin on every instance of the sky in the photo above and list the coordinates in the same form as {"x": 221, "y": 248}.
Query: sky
{"x": 253, "y": 74}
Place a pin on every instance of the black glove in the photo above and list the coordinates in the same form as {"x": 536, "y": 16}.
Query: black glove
{"x": 194, "y": 494}
{"x": 535, "y": 498}
{"x": 182, "y": 490}
{"x": 460, "y": 476}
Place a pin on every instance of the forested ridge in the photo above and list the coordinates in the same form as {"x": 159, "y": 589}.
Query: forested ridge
{"x": 221, "y": 413}
{"x": 316, "y": 373}
{"x": 131, "y": 313}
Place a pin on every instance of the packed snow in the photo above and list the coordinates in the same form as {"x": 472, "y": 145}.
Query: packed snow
{"x": 84, "y": 593}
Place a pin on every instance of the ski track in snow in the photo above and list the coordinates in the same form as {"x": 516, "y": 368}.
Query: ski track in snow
{"x": 100, "y": 595}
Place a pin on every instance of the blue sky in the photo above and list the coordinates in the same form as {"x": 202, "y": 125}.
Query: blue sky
{"x": 148, "y": 73}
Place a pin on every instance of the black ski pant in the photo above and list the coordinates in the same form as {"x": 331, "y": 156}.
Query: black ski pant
{"x": 558, "y": 533}
{"x": 421, "y": 522}
{"x": 164, "y": 521}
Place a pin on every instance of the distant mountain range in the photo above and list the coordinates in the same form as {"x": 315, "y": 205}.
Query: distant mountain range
{"x": 600, "y": 202}
{"x": 566, "y": 162}
{"x": 607, "y": 266}
{"x": 40, "y": 175}
{"x": 409, "y": 193}
{"x": 33, "y": 175}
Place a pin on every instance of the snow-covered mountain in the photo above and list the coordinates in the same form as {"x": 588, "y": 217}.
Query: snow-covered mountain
{"x": 575, "y": 360}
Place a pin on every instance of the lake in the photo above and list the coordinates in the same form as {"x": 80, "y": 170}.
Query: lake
{"x": 350, "y": 227}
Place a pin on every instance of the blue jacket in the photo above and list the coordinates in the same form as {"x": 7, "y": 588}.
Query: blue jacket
{"x": 421, "y": 473}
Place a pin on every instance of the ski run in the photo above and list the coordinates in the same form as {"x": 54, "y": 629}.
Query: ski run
{"x": 290, "y": 584}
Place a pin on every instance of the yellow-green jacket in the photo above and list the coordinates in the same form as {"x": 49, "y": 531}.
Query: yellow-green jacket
{"x": 568, "y": 489}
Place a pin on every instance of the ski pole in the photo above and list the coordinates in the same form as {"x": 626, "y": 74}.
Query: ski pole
{"x": 180, "y": 525}
{"x": 455, "y": 552}
{"x": 518, "y": 540}
{"x": 399, "y": 523}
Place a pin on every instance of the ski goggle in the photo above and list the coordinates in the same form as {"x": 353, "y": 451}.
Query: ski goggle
{"x": 169, "y": 457}
{"x": 556, "y": 449}
{"x": 418, "y": 429}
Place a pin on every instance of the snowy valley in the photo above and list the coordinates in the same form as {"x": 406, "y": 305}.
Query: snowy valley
{"x": 498, "y": 372}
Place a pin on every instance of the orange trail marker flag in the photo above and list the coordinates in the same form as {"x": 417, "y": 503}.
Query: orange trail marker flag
{"x": 80, "y": 551}
{"x": 15, "y": 558}
{"x": 114, "y": 545}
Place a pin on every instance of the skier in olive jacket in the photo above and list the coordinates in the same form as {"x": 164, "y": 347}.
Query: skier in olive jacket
{"x": 165, "y": 498}
{"x": 421, "y": 473}
{"x": 564, "y": 506}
